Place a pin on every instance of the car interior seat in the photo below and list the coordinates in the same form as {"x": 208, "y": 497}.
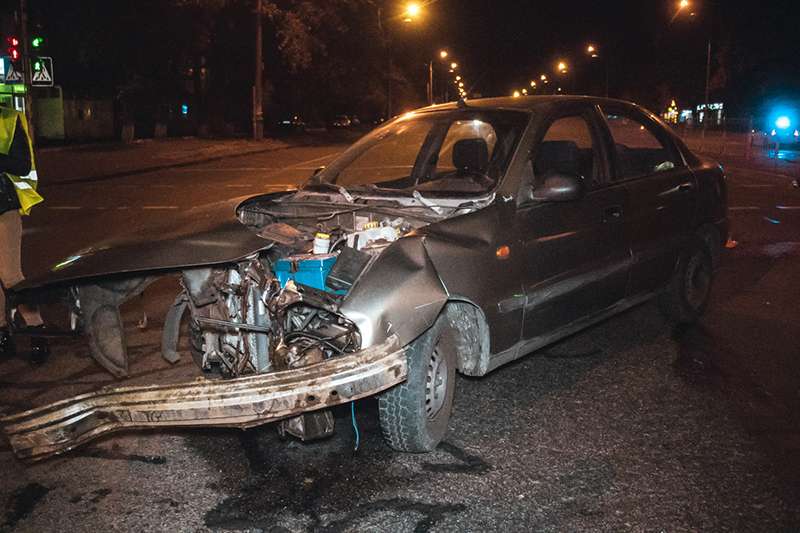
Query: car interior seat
{"x": 471, "y": 156}
{"x": 562, "y": 157}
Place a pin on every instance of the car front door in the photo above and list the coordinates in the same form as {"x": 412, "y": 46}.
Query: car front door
{"x": 662, "y": 193}
{"x": 575, "y": 253}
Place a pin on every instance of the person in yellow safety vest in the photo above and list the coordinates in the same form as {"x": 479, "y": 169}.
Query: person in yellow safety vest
{"x": 18, "y": 194}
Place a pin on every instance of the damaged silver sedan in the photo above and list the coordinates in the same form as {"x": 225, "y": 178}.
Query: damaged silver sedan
{"x": 456, "y": 238}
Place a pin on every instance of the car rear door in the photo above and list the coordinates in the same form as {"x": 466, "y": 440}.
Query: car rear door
{"x": 662, "y": 193}
{"x": 575, "y": 253}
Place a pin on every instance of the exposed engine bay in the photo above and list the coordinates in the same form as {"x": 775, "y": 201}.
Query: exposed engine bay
{"x": 279, "y": 309}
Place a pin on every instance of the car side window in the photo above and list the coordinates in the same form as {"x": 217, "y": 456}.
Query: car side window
{"x": 568, "y": 147}
{"x": 639, "y": 151}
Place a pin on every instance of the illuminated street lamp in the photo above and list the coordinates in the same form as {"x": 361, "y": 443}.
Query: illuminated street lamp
{"x": 525, "y": 91}
{"x": 683, "y": 6}
{"x": 453, "y": 65}
{"x": 413, "y": 11}
{"x": 594, "y": 53}
{"x": 443, "y": 55}
{"x": 562, "y": 67}
{"x": 517, "y": 94}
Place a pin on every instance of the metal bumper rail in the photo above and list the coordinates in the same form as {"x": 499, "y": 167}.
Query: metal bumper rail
{"x": 241, "y": 402}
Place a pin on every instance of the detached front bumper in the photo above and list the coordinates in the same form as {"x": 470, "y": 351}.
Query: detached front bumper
{"x": 242, "y": 402}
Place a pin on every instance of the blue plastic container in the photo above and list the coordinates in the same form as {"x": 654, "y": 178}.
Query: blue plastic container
{"x": 306, "y": 269}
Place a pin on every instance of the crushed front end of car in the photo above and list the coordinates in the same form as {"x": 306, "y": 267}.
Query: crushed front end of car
{"x": 282, "y": 335}
{"x": 334, "y": 290}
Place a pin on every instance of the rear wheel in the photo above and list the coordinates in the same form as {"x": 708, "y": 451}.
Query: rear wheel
{"x": 686, "y": 297}
{"x": 414, "y": 415}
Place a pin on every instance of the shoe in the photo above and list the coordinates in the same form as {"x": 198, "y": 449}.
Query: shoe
{"x": 40, "y": 350}
{"x": 7, "y": 348}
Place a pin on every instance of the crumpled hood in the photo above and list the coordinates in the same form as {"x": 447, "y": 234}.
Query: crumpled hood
{"x": 203, "y": 235}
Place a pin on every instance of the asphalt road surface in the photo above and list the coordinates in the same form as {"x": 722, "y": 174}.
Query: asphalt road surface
{"x": 633, "y": 425}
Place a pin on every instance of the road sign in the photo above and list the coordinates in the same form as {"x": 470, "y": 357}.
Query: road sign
{"x": 42, "y": 71}
{"x": 12, "y": 73}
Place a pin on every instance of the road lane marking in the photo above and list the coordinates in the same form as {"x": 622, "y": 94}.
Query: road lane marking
{"x": 227, "y": 169}
{"x": 745, "y": 208}
{"x": 756, "y": 171}
{"x": 788, "y": 207}
{"x": 302, "y": 165}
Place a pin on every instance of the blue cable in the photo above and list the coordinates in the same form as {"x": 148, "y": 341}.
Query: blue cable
{"x": 355, "y": 424}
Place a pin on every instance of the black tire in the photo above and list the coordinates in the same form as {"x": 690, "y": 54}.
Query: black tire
{"x": 686, "y": 297}
{"x": 414, "y": 415}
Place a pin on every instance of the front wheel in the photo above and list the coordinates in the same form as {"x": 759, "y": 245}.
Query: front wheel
{"x": 414, "y": 415}
{"x": 686, "y": 297}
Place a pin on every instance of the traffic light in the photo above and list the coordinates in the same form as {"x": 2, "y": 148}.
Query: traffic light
{"x": 37, "y": 42}
{"x": 13, "y": 48}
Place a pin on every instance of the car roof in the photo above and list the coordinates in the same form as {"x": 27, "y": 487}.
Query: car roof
{"x": 525, "y": 103}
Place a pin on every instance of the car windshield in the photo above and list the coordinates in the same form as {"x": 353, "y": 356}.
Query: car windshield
{"x": 436, "y": 153}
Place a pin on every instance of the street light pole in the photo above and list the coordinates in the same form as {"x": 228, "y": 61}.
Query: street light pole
{"x": 708, "y": 85}
{"x": 258, "y": 85}
{"x": 430, "y": 83}
{"x": 26, "y": 66}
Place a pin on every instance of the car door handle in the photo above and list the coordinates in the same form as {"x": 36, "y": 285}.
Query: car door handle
{"x": 613, "y": 212}
{"x": 686, "y": 187}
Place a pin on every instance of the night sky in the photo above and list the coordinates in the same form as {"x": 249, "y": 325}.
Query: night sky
{"x": 504, "y": 42}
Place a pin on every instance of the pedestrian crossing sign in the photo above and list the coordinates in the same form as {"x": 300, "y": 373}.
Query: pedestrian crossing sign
{"x": 42, "y": 71}
{"x": 13, "y": 74}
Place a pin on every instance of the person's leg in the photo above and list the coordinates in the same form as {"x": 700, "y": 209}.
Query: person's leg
{"x": 10, "y": 271}
{"x": 10, "y": 275}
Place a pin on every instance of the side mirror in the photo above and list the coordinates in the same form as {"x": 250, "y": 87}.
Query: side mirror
{"x": 315, "y": 176}
{"x": 560, "y": 188}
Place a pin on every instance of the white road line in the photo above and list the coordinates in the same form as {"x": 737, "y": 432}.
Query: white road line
{"x": 744, "y": 208}
{"x": 755, "y": 171}
{"x": 226, "y": 169}
{"x": 302, "y": 165}
{"x": 788, "y": 207}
